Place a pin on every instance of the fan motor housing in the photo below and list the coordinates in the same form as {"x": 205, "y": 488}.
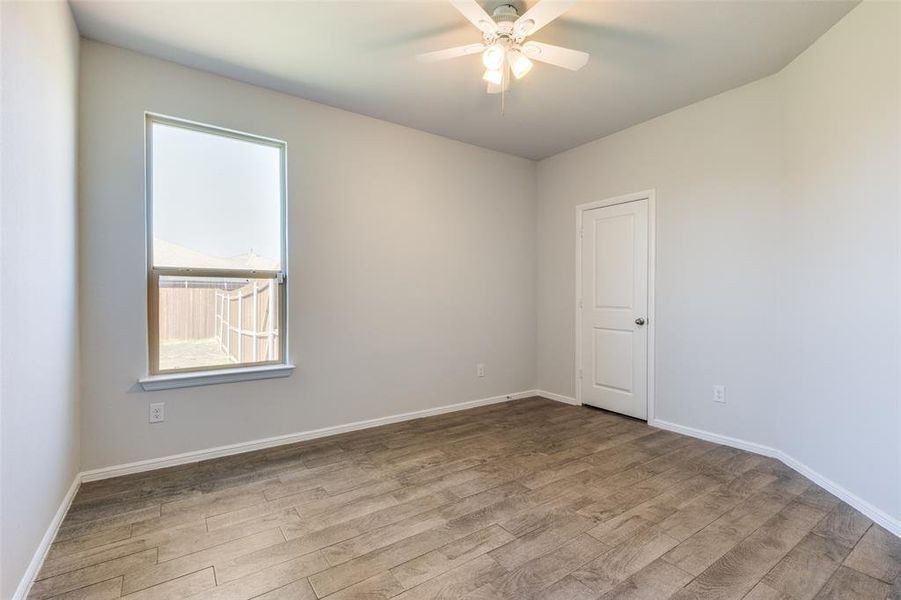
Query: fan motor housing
{"x": 505, "y": 13}
{"x": 505, "y": 16}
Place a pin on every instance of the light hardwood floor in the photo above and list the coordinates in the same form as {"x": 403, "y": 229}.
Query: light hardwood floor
{"x": 526, "y": 499}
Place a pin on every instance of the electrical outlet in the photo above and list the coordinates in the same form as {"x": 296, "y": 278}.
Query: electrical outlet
{"x": 157, "y": 412}
{"x": 719, "y": 394}
{"x": 480, "y": 370}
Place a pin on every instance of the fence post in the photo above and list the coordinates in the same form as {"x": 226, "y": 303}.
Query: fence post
{"x": 216, "y": 319}
{"x": 270, "y": 337}
{"x": 254, "y": 338}
{"x": 220, "y": 314}
{"x": 240, "y": 326}
{"x": 228, "y": 321}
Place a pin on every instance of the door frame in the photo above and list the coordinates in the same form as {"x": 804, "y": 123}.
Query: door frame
{"x": 650, "y": 196}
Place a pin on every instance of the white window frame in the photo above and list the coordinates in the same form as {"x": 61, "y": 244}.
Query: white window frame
{"x": 184, "y": 377}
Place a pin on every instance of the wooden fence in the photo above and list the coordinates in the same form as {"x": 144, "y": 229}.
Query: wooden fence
{"x": 246, "y": 322}
{"x": 243, "y": 319}
{"x": 186, "y": 311}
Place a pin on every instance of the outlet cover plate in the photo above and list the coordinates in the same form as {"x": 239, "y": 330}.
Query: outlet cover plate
{"x": 157, "y": 412}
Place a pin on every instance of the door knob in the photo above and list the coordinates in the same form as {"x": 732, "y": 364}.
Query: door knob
{"x": 639, "y": 321}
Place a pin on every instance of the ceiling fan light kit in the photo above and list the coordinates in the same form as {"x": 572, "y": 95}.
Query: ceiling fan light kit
{"x": 519, "y": 63}
{"x": 495, "y": 76}
{"x": 504, "y": 48}
{"x": 493, "y": 57}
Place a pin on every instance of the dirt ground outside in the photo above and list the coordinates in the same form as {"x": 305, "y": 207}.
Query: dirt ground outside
{"x": 191, "y": 353}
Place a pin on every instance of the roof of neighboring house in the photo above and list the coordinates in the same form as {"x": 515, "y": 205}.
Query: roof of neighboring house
{"x": 168, "y": 254}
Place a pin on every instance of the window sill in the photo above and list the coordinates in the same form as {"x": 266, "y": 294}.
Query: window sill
{"x": 180, "y": 380}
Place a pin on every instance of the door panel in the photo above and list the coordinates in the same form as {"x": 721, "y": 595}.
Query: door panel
{"x": 614, "y": 359}
{"x": 613, "y": 281}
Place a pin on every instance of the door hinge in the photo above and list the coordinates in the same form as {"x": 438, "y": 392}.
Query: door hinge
{"x": 581, "y": 233}
{"x": 580, "y": 373}
{"x": 580, "y": 303}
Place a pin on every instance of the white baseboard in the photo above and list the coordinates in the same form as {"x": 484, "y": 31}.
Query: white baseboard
{"x": 557, "y": 397}
{"x": 37, "y": 561}
{"x": 875, "y": 514}
{"x": 717, "y": 438}
{"x": 241, "y": 447}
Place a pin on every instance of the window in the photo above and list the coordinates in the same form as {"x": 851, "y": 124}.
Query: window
{"x": 216, "y": 237}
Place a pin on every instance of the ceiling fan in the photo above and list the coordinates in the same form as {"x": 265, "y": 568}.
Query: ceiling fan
{"x": 504, "y": 47}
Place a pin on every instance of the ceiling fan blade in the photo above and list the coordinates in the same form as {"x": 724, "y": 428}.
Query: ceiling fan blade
{"x": 456, "y": 52}
{"x": 540, "y": 15}
{"x": 473, "y": 11}
{"x": 555, "y": 55}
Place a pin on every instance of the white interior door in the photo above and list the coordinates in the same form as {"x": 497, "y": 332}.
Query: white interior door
{"x": 614, "y": 306}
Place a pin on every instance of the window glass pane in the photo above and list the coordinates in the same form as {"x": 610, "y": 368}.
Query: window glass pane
{"x": 212, "y": 322}
{"x": 216, "y": 201}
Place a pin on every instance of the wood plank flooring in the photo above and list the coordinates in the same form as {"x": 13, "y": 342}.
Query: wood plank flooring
{"x": 529, "y": 499}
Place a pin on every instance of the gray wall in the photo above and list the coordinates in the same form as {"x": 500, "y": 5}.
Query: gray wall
{"x": 841, "y": 343}
{"x": 38, "y": 311}
{"x": 411, "y": 260}
{"x": 777, "y": 256}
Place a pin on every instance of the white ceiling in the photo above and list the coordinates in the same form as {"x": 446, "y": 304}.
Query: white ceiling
{"x": 647, "y": 58}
